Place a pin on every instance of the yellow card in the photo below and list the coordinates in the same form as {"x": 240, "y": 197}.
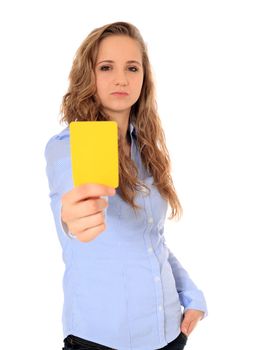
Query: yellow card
{"x": 94, "y": 152}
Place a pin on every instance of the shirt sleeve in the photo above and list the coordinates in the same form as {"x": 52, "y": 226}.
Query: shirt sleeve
{"x": 59, "y": 175}
{"x": 190, "y": 296}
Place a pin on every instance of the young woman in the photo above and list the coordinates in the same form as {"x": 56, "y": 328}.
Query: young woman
{"x": 123, "y": 287}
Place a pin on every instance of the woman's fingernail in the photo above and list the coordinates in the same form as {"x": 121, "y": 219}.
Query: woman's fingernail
{"x": 112, "y": 191}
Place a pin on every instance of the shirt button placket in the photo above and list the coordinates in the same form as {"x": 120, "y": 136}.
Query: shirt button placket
{"x": 156, "y": 269}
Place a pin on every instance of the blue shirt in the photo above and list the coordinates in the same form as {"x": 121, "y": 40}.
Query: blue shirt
{"x": 125, "y": 289}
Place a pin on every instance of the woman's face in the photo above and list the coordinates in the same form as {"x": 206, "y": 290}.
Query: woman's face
{"x": 118, "y": 69}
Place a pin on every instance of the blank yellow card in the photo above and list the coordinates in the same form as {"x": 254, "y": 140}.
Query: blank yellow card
{"x": 94, "y": 152}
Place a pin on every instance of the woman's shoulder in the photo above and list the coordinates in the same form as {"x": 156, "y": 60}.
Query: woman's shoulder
{"x": 63, "y": 134}
{"x": 57, "y": 145}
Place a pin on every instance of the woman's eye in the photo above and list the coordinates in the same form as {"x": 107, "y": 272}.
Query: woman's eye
{"x": 136, "y": 69}
{"x": 103, "y": 68}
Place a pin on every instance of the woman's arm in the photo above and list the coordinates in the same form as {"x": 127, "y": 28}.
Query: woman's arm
{"x": 190, "y": 296}
{"x": 58, "y": 171}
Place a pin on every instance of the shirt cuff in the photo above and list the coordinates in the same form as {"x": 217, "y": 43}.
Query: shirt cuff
{"x": 64, "y": 226}
{"x": 194, "y": 302}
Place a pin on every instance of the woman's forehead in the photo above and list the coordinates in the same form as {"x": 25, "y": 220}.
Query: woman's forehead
{"x": 119, "y": 48}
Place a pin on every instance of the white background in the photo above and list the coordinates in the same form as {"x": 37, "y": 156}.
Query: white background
{"x": 209, "y": 60}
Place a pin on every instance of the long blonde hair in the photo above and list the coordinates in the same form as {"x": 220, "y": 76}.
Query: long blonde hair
{"x": 81, "y": 104}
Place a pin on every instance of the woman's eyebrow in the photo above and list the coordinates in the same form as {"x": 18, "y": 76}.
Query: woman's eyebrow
{"x": 130, "y": 61}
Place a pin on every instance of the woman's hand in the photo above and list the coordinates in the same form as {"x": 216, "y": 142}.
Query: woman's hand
{"x": 190, "y": 320}
{"x": 82, "y": 210}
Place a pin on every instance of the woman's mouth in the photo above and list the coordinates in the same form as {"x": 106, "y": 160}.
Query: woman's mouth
{"x": 119, "y": 93}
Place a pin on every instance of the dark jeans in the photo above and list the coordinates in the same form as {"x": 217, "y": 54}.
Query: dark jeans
{"x": 72, "y": 342}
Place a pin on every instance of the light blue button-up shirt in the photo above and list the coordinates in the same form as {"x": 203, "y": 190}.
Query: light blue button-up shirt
{"x": 125, "y": 289}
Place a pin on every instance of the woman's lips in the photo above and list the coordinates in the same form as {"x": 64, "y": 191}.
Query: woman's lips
{"x": 120, "y": 93}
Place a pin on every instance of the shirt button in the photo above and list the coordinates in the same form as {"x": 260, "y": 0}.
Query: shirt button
{"x": 145, "y": 192}
{"x": 150, "y": 249}
{"x": 157, "y": 279}
{"x": 160, "y": 307}
{"x": 150, "y": 220}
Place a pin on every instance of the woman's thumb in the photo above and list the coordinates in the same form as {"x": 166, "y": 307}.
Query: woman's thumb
{"x": 185, "y": 325}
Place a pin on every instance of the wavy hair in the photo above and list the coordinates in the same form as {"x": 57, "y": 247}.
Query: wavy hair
{"x": 80, "y": 103}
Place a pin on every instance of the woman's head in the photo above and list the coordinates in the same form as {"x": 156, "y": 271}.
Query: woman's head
{"x": 118, "y": 69}
{"x": 88, "y": 99}
{"x": 84, "y": 101}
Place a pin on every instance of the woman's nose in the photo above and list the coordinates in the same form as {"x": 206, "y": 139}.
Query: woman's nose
{"x": 121, "y": 78}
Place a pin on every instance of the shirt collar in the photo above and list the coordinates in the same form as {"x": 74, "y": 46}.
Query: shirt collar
{"x": 132, "y": 129}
